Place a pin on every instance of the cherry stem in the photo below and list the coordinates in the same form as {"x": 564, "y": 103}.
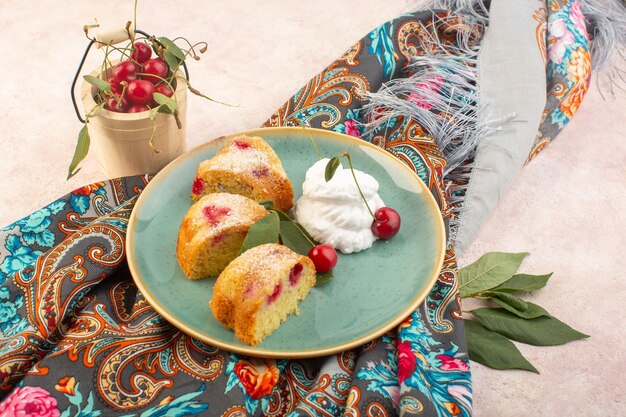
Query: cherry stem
{"x": 150, "y": 142}
{"x": 134, "y": 18}
{"x": 198, "y": 93}
{"x": 165, "y": 80}
{"x": 179, "y": 124}
{"x": 103, "y": 69}
{"x": 118, "y": 103}
{"x": 303, "y": 126}
{"x": 298, "y": 226}
{"x": 347, "y": 155}
{"x": 128, "y": 25}
{"x": 93, "y": 111}
{"x": 192, "y": 47}
{"x": 187, "y": 53}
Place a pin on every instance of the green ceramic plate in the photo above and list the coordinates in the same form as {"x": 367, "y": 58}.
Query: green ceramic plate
{"x": 372, "y": 291}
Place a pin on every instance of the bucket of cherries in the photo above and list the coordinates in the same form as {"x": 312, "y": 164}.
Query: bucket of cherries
{"x": 135, "y": 102}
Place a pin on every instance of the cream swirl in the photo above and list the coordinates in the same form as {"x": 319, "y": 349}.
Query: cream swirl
{"x": 333, "y": 212}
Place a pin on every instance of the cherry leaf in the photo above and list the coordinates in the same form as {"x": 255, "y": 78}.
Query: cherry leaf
{"x": 82, "y": 148}
{"x": 268, "y": 204}
{"x": 164, "y": 100}
{"x": 511, "y": 303}
{"x": 292, "y": 237}
{"x": 171, "y": 47}
{"x": 524, "y": 283}
{"x": 493, "y": 350}
{"x": 100, "y": 84}
{"x": 331, "y": 168}
{"x": 324, "y": 278}
{"x": 539, "y": 331}
{"x": 490, "y": 270}
{"x": 263, "y": 231}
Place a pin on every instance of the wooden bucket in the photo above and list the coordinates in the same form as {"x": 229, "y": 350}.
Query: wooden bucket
{"x": 121, "y": 140}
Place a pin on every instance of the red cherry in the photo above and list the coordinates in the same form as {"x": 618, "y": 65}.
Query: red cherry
{"x": 295, "y": 273}
{"x": 198, "y": 185}
{"x": 260, "y": 172}
{"x": 125, "y": 71}
{"x": 141, "y": 52}
{"x": 163, "y": 89}
{"x": 241, "y": 144}
{"x": 275, "y": 293}
{"x": 116, "y": 88}
{"x": 324, "y": 258}
{"x": 112, "y": 105}
{"x": 139, "y": 91}
{"x": 387, "y": 223}
{"x": 215, "y": 214}
{"x": 154, "y": 67}
{"x": 137, "y": 108}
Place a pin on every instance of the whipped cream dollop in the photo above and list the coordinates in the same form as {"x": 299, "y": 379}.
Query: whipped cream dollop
{"x": 333, "y": 212}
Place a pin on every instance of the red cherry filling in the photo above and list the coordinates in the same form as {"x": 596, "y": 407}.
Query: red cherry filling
{"x": 295, "y": 273}
{"x": 387, "y": 223}
{"x": 324, "y": 258}
{"x": 198, "y": 185}
{"x": 217, "y": 239}
{"x": 215, "y": 214}
{"x": 249, "y": 290}
{"x": 260, "y": 172}
{"x": 274, "y": 295}
{"x": 240, "y": 144}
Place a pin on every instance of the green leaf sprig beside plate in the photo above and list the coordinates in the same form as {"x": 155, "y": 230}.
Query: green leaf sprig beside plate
{"x": 493, "y": 278}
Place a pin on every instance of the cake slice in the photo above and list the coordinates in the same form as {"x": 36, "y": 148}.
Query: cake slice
{"x": 212, "y": 232}
{"x": 247, "y": 166}
{"x": 259, "y": 289}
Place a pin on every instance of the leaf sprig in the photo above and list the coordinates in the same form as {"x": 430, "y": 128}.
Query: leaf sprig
{"x": 331, "y": 167}
{"x": 493, "y": 278}
{"x": 279, "y": 226}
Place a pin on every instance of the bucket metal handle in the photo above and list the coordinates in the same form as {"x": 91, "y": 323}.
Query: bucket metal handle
{"x": 80, "y": 67}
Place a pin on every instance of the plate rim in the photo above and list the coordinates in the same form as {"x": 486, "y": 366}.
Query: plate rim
{"x": 273, "y": 353}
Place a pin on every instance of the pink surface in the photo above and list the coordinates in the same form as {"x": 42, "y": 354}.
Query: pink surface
{"x": 566, "y": 208}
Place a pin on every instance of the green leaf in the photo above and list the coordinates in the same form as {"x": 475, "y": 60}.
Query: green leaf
{"x": 171, "y": 47}
{"x": 540, "y": 331}
{"x": 516, "y": 305}
{"x": 509, "y": 299}
{"x": 173, "y": 55}
{"x": 285, "y": 217}
{"x": 82, "y": 148}
{"x": 164, "y": 100}
{"x": 198, "y": 93}
{"x": 96, "y": 110}
{"x": 493, "y": 350}
{"x": 100, "y": 84}
{"x": 268, "y": 204}
{"x": 491, "y": 270}
{"x": 524, "y": 283}
{"x": 292, "y": 237}
{"x": 281, "y": 214}
{"x": 153, "y": 112}
{"x": 324, "y": 278}
{"x": 171, "y": 60}
{"x": 263, "y": 231}
{"x": 164, "y": 109}
{"x": 331, "y": 167}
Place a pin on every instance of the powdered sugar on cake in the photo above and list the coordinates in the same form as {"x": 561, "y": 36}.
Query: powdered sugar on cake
{"x": 244, "y": 161}
{"x": 229, "y": 212}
